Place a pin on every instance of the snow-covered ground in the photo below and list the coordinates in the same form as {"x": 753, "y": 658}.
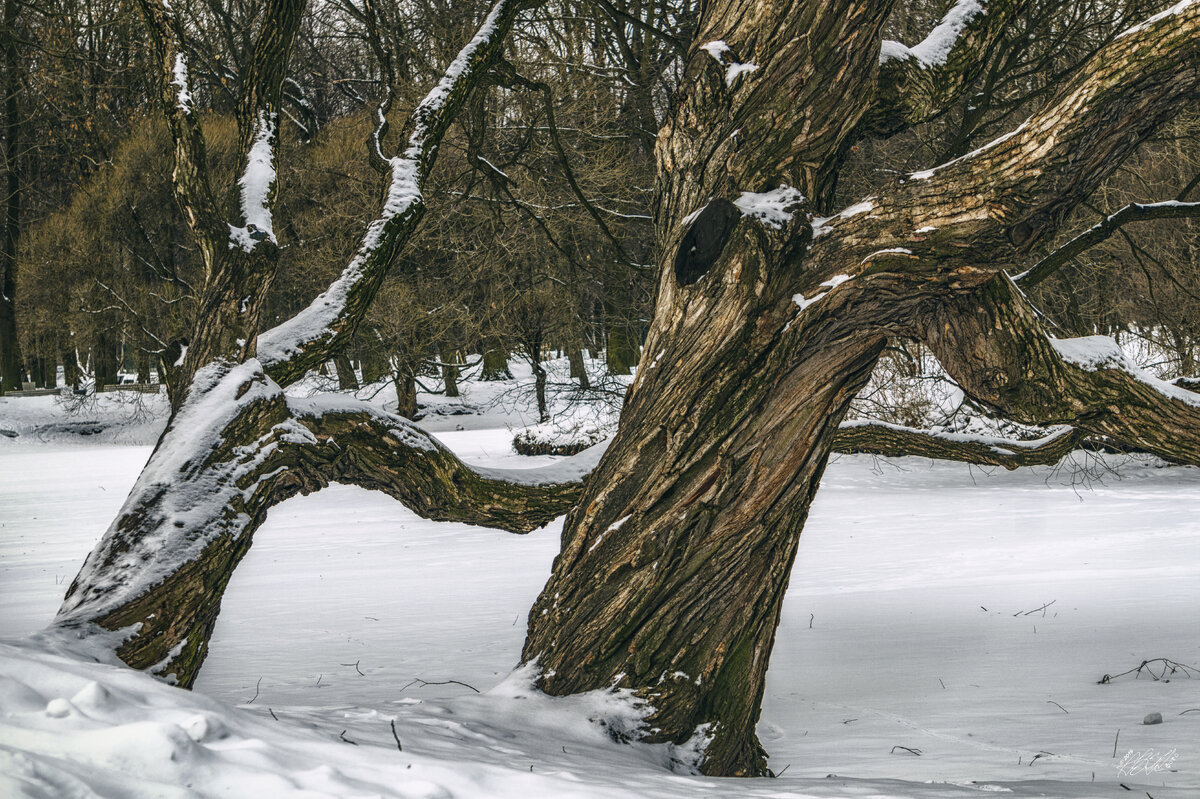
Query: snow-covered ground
{"x": 915, "y": 619}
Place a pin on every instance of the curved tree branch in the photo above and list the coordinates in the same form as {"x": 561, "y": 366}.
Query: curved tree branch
{"x": 238, "y": 447}
{"x": 992, "y": 344}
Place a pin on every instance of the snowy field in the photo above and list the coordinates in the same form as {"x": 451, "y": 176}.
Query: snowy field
{"x": 962, "y": 614}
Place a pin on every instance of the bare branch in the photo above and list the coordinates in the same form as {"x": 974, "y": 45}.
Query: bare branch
{"x": 290, "y": 349}
{"x": 1134, "y": 212}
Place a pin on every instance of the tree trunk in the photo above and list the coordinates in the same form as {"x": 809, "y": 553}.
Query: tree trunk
{"x": 621, "y": 355}
{"x": 107, "y": 357}
{"x": 70, "y": 361}
{"x": 578, "y": 365}
{"x": 406, "y": 393}
{"x": 143, "y": 364}
{"x": 347, "y": 380}
{"x": 374, "y": 367}
{"x": 539, "y": 389}
{"x": 495, "y": 361}
{"x": 675, "y": 563}
{"x": 10, "y": 352}
{"x": 450, "y": 372}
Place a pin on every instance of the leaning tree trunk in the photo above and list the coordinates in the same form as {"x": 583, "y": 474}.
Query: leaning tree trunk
{"x": 769, "y": 318}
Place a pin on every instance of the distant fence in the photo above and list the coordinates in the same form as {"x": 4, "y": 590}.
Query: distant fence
{"x": 140, "y": 388}
{"x": 33, "y": 392}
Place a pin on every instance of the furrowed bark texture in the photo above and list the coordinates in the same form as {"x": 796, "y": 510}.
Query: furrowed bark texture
{"x": 161, "y": 569}
{"x": 994, "y": 346}
{"x": 913, "y": 89}
{"x": 894, "y": 441}
{"x": 674, "y": 566}
{"x": 769, "y": 319}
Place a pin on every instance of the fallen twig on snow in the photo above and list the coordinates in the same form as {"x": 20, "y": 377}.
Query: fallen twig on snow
{"x": 1168, "y": 667}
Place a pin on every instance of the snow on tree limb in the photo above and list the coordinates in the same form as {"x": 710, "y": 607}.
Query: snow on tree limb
{"x": 918, "y": 84}
{"x": 935, "y": 48}
{"x": 289, "y": 349}
{"x": 256, "y": 182}
{"x": 235, "y": 448}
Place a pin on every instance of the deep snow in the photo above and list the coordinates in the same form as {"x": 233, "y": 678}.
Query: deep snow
{"x": 908, "y": 624}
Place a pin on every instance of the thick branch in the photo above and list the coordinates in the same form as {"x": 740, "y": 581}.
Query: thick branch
{"x": 309, "y": 338}
{"x": 894, "y": 441}
{"x": 236, "y": 448}
{"x": 1134, "y": 212}
{"x": 919, "y": 83}
{"x": 951, "y": 228}
{"x": 993, "y": 345}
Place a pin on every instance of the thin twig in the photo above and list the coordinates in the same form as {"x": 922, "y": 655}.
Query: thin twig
{"x": 1057, "y": 705}
{"x": 423, "y": 683}
{"x": 397, "y": 737}
{"x": 342, "y": 735}
{"x": 256, "y": 687}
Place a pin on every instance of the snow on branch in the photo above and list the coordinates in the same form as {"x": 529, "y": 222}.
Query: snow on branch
{"x": 1174, "y": 10}
{"x": 255, "y": 183}
{"x": 1096, "y": 353}
{"x": 935, "y": 48}
{"x": 184, "y": 96}
{"x": 894, "y": 441}
{"x": 336, "y": 311}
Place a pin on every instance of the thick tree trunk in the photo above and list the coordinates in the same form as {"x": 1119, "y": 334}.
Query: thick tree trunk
{"x": 495, "y": 361}
{"x": 675, "y": 563}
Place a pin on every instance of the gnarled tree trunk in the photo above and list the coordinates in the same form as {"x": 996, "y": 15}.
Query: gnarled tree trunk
{"x": 770, "y": 316}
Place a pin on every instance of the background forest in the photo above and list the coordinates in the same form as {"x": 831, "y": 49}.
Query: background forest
{"x": 540, "y": 237}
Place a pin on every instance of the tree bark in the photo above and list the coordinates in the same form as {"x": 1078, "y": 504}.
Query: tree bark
{"x": 347, "y": 380}
{"x": 769, "y": 318}
{"x": 578, "y": 366}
